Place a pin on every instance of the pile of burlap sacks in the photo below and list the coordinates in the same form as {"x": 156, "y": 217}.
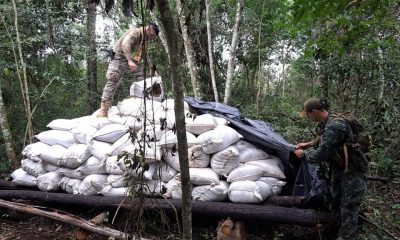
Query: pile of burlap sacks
{"x": 136, "y": 146}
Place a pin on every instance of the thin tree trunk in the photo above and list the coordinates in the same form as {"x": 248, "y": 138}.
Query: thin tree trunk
{"x": 232, "y": 53}
{"x": 25, "y": 90}
{"x": 382, "y": 79}
{"x": 188, "y": 43}
{"x": 91, "y": 57}
{"x": 210, "y": 51}
{"x": 283, "y": 69}
{"x": 177, "y": 85}
{"x": 5, "y": 130}
{"x": 258, "y": 83}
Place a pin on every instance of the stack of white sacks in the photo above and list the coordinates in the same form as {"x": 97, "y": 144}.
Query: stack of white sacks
{"x": 80, "y": 156}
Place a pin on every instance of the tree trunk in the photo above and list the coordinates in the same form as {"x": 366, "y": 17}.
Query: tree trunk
{"x": 382, "y": 81}
{"x": 160, "y": 34}
{"x": 177, "y": 85}
{"x": 210, "y": 51}
{"x": 232, "y": 53}
{"x": 6, "y": 132}
{"x": 24, "y": 86}
{"x": 91, "y": 57}
{"x": 188, "y": 43}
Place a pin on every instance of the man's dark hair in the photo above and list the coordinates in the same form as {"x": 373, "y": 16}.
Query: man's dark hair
{"x": 155, "y": 27}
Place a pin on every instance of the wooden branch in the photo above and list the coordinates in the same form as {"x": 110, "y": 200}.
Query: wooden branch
{"x": 65, "y": 217}
{"x": 276, "y": 214}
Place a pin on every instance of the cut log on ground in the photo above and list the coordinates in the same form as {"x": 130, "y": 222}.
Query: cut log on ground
{"x": 253, "y": 212}
{"x": 66, "y": 218}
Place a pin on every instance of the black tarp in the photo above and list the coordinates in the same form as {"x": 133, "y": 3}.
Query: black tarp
{"x": 262, "y": 135}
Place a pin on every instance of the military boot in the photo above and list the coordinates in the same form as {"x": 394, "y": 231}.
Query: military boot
{"x": 104, "y": 107}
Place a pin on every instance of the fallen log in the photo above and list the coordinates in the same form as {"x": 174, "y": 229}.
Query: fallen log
{"x": 253, "y": 212}
{"x": 66, "y": 218}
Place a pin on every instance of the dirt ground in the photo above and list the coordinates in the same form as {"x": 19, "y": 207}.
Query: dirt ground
{"x": 381, "y": 207}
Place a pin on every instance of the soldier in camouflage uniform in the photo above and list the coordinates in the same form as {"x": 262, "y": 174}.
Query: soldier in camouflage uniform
{"x": 348, "y": 182}
{"x": 129, "y": 52}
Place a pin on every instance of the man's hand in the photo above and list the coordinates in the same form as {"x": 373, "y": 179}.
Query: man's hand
{"x": 299, "y": 153}
{"x": 303, "y": 145}
{"x": 132, "y": 65}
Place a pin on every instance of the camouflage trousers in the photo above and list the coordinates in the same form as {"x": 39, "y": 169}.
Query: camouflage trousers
{"x": 116, "y": 69}
{"x": 347, "y": 192}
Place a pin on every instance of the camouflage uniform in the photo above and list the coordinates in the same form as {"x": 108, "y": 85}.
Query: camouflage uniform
{"x": 347, "y": 188}
{"x": 129, "y": 46}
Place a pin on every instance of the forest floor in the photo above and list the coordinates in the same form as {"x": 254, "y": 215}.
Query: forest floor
{"x": 381, "y": 206}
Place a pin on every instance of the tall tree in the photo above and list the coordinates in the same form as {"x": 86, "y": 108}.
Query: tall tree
{"x": 6, "y": 132}
{"x": 24, "y": 84}
{"x": 232, "y": 52}
{"x": 188, "y": 43}
{"x": 91, "y": 56}
{"x": 210, "y": 51}
{"x": 177, "y": 85}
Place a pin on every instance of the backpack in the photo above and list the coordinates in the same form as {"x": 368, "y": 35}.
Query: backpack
{"x": 360, "y": 135}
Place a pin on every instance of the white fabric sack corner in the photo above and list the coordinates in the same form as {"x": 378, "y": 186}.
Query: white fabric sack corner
{"x": 218, "y": 139}
{"x": 101, "y": 150}
{"x": 114, "y": 191}
{"x": 74, "y": 156}
{"x": 200, "y": 124}
{"x": 53, "y": 137}
{"x": 245, "y": 172}
{"x": 92, "y": 166}
{"x": 197, "y": 157}
{"x": 82, "y": 131}
{"x": 270, "y": 167}
{"x": 111, "y": 112}
{"x": 49, "y": 181}
{"x": 119, "y": 145}
{"x": 53, "y": 154}
{"x": 203, "y": 176}
{"x": 224, "y": 161}
{"x": 22, "y": 178}
{"x": 110, "y": 133}
{"x": 33, "y": 168}
{"x": 211, "y": 193}
{"x": 70, "y": 185}
{"x": 249, "y": 192}
{"x": 62, "y": 124}
{"x": 33, "y": 151}
{"x": 92, "y": 184}
{"x": 174, "y": 189}
{"x": 71, "y": 173}
{"x": 169, "y": 139}
{"x": 164, "y": 172}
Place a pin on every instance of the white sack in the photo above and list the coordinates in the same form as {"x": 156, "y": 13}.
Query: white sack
{"x": 92, "y": 166}
{"x": 200, "y": 124}
{"x": 33, "y": 168}
{"x": 249, "y": 191}
{"x": 96, "y": 122}
{"x": 270, "y": 167}
{"x": 276, "y": 184}
{"x": 197, "y": 157}
{"x": 152, "y": 152}
{"x": 169, "y": 139}
{"x": 49, "y": 167}
{"x": 49, "y": 181}
{"x": 224, "y": 161}
{"x": 112, "y": 191}
{"x": 137, "y": 88}
{"x": 62, "y": 124}
{"x": 249, "y": 152}
{"x": 131, "y": 107}
{"x": 111, "y": 112}
{"x": 74, "y": 156}
{"x": 218, "y": 139}
{"x": 33, "y": 151}
{"x": 211, "y": 193}
{"x": 53, "y": 154}
{"x": 53, "y": 137}
{"x": 101, "y": 150}
{"x": 92, "y": 184}
{"x": 110, "y": 133}
{"x": 152, "y": 134}
{"x": 117, "y": 181}
{"x": 82, "y": 132}
{"x": 172, "y": 159}
{"x": 165, "y": 118}
{"x": 133, "y": 123}
{"x": 71, "y": 173}
{"x": 22, "y": 178}
{"x": 70, "y": 185}
{"x": 245, "y": 172}
{"x": 203, "y": 176}
{"x": 120, "y": 144}
{"x": 164, "y": 172}
{"x": 114, "y": 166}
{"x": 173, "y": 188}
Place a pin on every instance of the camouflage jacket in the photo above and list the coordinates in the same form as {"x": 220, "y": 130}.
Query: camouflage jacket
{"x": 333, "y": 134}
{"x": 131, "y": 45}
